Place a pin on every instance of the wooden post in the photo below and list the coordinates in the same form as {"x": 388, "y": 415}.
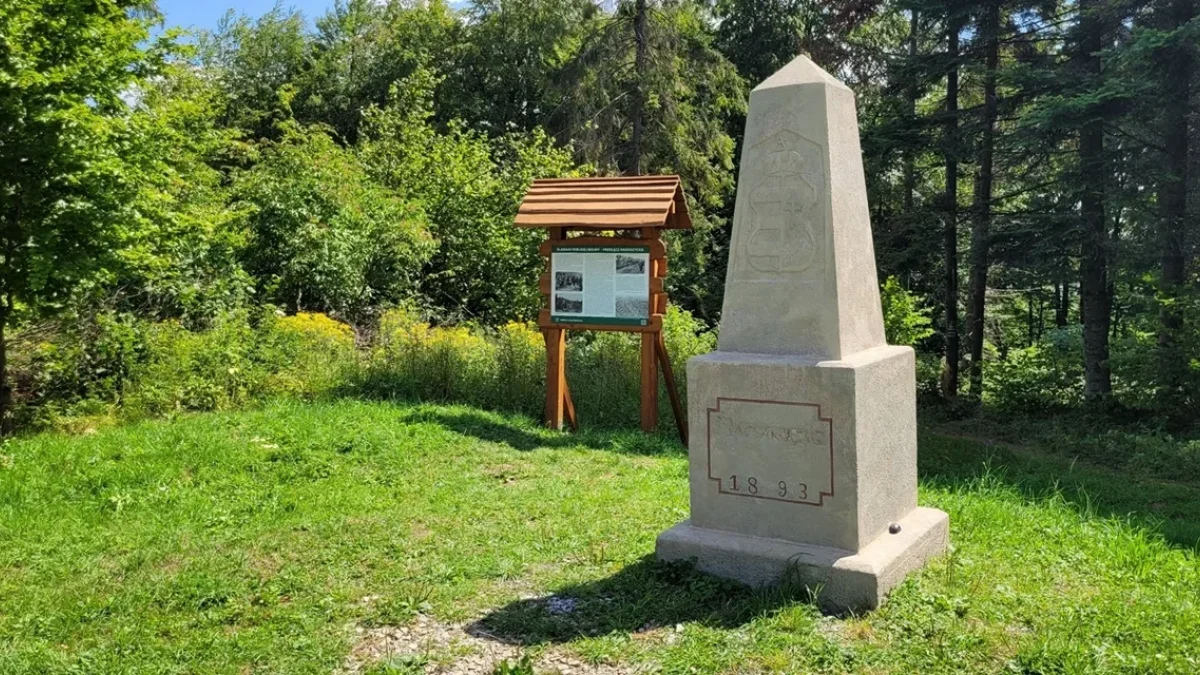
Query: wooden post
{"x": 557, "y": 397}
{"x": 650, "y": 343}
{"x": 649, "y": 382}
{"x": 556, "y": 376}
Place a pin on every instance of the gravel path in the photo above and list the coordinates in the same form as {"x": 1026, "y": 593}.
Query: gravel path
{"x": 457, "y": 649}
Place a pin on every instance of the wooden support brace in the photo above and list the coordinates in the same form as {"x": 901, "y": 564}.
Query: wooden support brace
{"x": 569, "y": 404}
{"x": 672, "y": 390}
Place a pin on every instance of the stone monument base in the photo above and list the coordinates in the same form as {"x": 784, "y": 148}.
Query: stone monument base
{"x": 844, "y": 581}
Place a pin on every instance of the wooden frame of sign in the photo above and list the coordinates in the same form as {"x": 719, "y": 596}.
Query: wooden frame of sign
{"x": 604, "y": 216}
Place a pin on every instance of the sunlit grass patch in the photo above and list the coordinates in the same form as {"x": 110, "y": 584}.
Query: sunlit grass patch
{"x": 276, "y": 540}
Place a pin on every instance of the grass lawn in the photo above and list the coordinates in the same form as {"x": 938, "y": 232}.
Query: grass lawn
{"x": 334, "y": 537}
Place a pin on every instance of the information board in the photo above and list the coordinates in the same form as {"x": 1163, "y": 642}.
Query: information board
{"x": 601, "y": 285}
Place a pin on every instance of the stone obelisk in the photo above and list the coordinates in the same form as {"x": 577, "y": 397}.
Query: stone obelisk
{"x": 803, "y": 444}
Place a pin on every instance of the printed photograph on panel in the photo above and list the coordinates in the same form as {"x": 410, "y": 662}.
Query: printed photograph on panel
{"x": 627, "y": 264}
{"x": 633, "y": 307}
{"x": 568, "y": 281}
{"x": 568, "y": 303}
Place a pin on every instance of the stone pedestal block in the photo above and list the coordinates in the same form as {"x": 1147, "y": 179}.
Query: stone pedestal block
{"x": 787, "y": 448}
{"x": 811, "y": 463}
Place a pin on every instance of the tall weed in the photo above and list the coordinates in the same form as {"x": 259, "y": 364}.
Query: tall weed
{"x": 134, "y": 368}
{"x": 504, "y": 368}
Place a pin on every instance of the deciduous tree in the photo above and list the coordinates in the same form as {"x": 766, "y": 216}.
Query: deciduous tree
{"x": 67, "y": 70}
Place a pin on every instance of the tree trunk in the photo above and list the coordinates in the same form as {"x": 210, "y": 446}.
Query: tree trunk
{"x": 950, "y": 226}
{"x": 1095, "y": 299}
{"x": 981, "y": 210}
{"x": 1062, "y": 304}
{"x": 1114, "y": 308}
{"x": 1041, "y": 321}
{"x": 1173, "y": 198}
{"x": 910, "y": 153}
{"x": 639, "y": 95}
{"x": 1032, "y": 329}
{"x": 5, "y": 388}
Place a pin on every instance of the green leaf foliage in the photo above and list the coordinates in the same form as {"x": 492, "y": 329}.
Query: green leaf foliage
{"x": 323, "y": 234}
{"x": 470, "y": 187}
{"x": 905, "y": 319}
{"x": 66, "y": 188}
{"x": 373, "y": 157}
{"x": 183, "y": 259}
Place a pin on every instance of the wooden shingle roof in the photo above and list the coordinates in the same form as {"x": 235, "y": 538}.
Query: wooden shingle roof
{"x": 606, "y": 203}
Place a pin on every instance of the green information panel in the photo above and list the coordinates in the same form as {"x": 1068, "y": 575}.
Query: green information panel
{"x": 601, "y": 285}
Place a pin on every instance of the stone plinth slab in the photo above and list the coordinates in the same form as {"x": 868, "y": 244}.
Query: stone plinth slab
{"x": 844, "y": 582}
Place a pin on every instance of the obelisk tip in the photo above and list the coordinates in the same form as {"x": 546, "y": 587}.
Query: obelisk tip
{"x": 801, "y": 70}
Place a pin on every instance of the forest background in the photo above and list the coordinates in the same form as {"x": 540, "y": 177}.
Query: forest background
{"x": 286, "y": 206}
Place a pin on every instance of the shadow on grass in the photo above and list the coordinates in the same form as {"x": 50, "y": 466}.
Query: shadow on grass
{"x": 522, "y": 434}
{"x": 1169, "y": 508}
{"x": 645, "y": 596}
{"x": 649, "y": 596}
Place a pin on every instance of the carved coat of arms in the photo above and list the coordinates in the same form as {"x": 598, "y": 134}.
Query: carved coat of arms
{"x": 784, "y": 234}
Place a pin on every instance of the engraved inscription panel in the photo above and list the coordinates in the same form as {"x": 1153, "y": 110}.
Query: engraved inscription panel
{"x": 771, "y": 450}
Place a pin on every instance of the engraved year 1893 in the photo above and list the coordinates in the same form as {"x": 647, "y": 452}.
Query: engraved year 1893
{"x": 781, "y": 490}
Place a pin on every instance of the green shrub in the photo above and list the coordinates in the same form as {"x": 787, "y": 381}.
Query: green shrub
{"x": 196, "y": 370}
{"x": 116, "y": 364}
{"x": 1042, "y": 377}
{"x": 322, "y": 233}
{"x": 504, "y": 368}
{"x": 929, "y": 376}
{"x": 112, "y": 362}
{"x": 469, "y": 186}
{"x": 1048, "y": 376}
{"x": 308, "y": 355}
{"x": 241, "y": 360}
{"x": 413, "y": 360}
{"x": 87, "y": 359}
{"x": 905, "y": 320}
{"x": 604, "y": 370}
{"x": 1139, "y": 378}
{"x": 520, "y": 368}
{"x": 604, "y": 376}
{"x": 1134, "y": 363}
{"x": 686, "y": 336}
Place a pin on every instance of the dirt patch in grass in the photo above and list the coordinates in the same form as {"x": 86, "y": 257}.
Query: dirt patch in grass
{"x": 506, "y": 474}
{"x": 438, "y": 648}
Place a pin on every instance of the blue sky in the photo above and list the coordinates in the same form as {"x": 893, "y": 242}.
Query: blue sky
{"x": 206, "y": 13}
